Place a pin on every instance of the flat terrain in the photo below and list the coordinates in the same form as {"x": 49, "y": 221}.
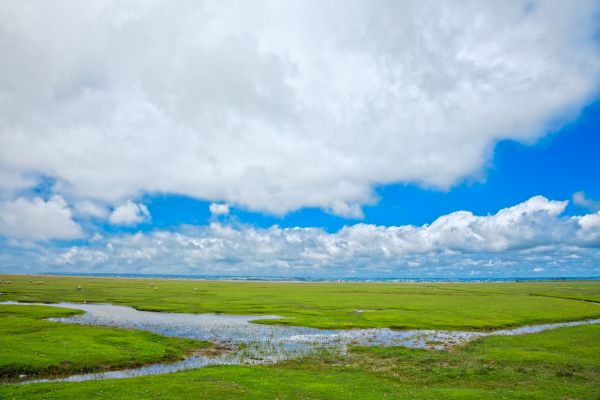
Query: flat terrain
{"x": 557, "y": 364}
{"x": 32, "y": 346}
{"x": 330, "y": 305}
{"x": 560, "y": 364}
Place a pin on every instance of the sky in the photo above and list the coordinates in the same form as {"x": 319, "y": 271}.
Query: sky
{"x": 327, "y": 139}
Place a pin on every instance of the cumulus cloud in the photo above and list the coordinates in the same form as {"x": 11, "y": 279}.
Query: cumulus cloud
{"x": 580, "y": 199}
{"x": 218, "y": 209}
{"x": 129, "y": 213}
{"x": 279, "y": 105}
{"x": 515, "y": 240}
{"x": 38, "y": 219}
{"x": 91, "y": 209}
{"x": 590, "y": 228}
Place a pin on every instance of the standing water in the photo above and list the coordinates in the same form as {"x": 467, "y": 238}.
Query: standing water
{"x": 252, "y": 343}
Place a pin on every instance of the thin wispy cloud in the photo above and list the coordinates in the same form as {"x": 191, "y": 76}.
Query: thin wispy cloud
{"x": 580, "y": 199}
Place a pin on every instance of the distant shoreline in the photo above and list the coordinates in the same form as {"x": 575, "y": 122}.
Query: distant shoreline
{"x": 309, "y": 279}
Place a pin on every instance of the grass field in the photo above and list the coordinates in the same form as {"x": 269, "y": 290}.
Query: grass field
{"x": 326, "y": 305}
{"x": 558, "y": 364}
{"x": 32, "y": 346}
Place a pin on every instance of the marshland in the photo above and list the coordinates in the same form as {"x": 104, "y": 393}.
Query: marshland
{"x": 74, "y": 337}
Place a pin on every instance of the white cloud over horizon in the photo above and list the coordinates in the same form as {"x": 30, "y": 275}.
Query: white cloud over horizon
{"x": 275, "y": 106}
{"x": 532, "y": 236}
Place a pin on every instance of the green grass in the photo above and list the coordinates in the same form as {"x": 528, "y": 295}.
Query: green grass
{"x": 327, "y": 305}
{"x": 559, "y": 364}
{"x": 32, "y": 346}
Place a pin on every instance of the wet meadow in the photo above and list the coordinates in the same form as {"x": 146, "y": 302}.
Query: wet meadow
{"x": 148, "y": 338}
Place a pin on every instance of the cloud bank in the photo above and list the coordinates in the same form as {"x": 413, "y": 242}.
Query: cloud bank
{"x": 279, "y": 105}
{"x": 529, "y": 238}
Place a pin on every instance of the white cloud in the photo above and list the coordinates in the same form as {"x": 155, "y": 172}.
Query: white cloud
{"x": 347, "y": 210}
{"x": 514, "y": 241}
{"x": 279, "y": 105}
{"x": 218, "y": 209}
{"x": 38, "y": 219}
{"x": 91, "y": 209}
{"x": 580, "y": 199}
{"x": 129, "y": 213}
{"x": 590, "y": 228}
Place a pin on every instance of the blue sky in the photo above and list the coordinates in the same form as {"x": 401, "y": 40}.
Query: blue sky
{"x": 564, "y": 162}
{"x": 378, "y": 140}
{"x": 557, "y": 166}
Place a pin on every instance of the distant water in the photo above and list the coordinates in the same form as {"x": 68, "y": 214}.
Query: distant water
{"x": 320, "y": 279}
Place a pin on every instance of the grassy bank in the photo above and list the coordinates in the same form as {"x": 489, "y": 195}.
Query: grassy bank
{"x": 33, "y": 346}
{"x": 559, "y": 364}
{"x": 330, "y": 305}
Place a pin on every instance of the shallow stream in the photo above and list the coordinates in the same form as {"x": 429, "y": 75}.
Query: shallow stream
{"x": 251, "y": 343}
